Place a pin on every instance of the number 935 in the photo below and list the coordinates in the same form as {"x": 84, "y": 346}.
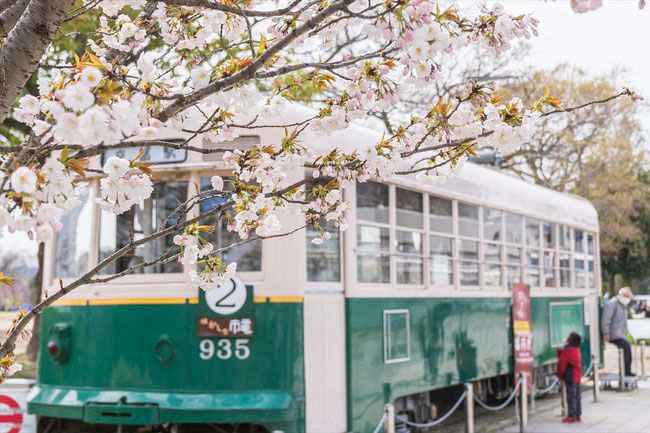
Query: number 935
{"x": 224, "y": 349}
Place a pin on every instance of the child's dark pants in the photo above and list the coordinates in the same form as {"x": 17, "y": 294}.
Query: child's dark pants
{"x": 573, "y": 400}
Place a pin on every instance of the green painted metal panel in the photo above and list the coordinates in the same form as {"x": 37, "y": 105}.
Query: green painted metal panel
{"x": 452, "y": 341}
{"x": 565, "y": 318}
{"x": 152, "y": 354}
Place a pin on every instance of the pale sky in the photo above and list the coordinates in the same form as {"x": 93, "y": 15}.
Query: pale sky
{"x": 616, "y": 34}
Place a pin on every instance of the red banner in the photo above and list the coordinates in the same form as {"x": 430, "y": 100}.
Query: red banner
{"x": 522, "y": 332}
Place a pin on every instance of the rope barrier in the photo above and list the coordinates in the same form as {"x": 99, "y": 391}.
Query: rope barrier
{"x": 381, "y": 423}
{"x": 591, "y": 365}
{"x": 439, "y": 420}
{"x": 495, "y": 408}
{"x": 548, "y": 388}
{"x": 556, "y": 380}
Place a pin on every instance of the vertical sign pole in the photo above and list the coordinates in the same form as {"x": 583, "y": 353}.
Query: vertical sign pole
{"x": 596, "y": 378}
{"x": 389, "y": 424}
{"x": 523, "y": 416}
{"x": 638, "y": 357}
{"x": 563, "y": 394}
{"x": 469, "y": 408}
{"x": 621, "y": 370}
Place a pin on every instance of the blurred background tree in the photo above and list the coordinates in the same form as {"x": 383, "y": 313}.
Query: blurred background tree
{"x": 599, "y": 153}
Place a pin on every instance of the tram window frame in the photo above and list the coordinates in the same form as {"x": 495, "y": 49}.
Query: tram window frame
{"x": 380, "y": 256}
{"x": 91, "y": 258}
{"x": 175, "y": 276}
{"x": 399, "y": 258}
{"x": 449, "y": 234}
{"x": 388, "y": 335}
{"x": 311, "y": 233}
{"x": 518, "y": 242}
{"x": 488, "y": 266}
{"x": 207, "y": 175}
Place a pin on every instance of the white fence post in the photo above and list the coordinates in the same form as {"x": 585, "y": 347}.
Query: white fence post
{"x": 523, "y": 418}
{"x": 389, "y": 424}
{"x": 469, "y": 408}
{"x": 621, "y": 370}
{"x": 642, "y": 359}
{"x": 596, "y": 378}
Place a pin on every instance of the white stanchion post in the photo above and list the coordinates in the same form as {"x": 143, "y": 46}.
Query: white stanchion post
{"x": 563, "y": 397}
{"x": 621, "y": 370}
{"x": 389, "y": 424}
{"x": 523, "y": 416}
{"x": 642, "y": 372}
{"x": 637, "y": 356}
{"x": 596, "y": 378}
{"x": 469, "y": 408}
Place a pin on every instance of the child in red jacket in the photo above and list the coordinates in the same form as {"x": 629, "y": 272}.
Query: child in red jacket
{"x": 569, "y": 369}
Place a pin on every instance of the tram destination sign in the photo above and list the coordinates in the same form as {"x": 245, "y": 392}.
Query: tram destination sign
{"x": 226, "y": 311}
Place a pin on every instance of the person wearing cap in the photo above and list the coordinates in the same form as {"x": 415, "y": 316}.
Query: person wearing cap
{"x": 613, "y": 324}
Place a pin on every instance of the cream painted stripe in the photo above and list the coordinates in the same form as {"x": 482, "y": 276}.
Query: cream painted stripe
{"x": 285, "y": 299}
{"x": 66, "y": 302}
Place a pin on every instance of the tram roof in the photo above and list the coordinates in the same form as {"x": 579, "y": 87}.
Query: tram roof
{"x": 475, "y": 183}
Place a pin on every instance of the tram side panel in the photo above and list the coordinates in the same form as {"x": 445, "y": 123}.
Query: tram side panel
{"x": 152, "y": 354}
{"x": 449, "y": 341}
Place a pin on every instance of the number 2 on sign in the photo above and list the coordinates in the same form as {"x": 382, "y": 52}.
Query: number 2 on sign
{"x": 224, "y": 349}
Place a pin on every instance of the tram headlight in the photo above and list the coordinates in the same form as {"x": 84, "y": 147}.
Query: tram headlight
{"x": 58, "y": 345}
{"x": 53, "y": 348}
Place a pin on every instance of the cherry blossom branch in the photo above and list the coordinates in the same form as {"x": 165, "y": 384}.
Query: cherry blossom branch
{"x": 248, "y": 72}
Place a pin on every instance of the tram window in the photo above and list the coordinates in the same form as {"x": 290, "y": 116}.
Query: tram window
{"x": 372, "y": 202}
{"x": 532, "y": 267}
{"x": 467, "y": 220}
{"x": 440, "y": 264}
{"x": 492, "y": 265}
{"x": 532, "y": 232}
{"x": 549, "y": 269}
{"x": 249, "y": 255}
{"x": 145, "y": 219}
{"x": 323, "y": 261}
{"x": 440, "y": 215}
{"x": 565, "y": 238}
{"x": 491, "y": 224}
{"x": 73, "y": 240}
{"x": 468, "y": 261}
{"x": 549, "y": 235}
{"x": 578, "y": 237}
{"x": 513, "y": 228}
{"x": 513, "y": 268}
{"x": 579, "y": 265}
{"x": 409, "y": 208}
{"x": 565, "y": 270}
{"x": 373, "y": 254}
{"x": 590, "y": 274}
{"x": 590, "y": 244}
{"x": 408, "y": 268}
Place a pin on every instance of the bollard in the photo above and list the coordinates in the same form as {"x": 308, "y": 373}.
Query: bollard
{"x": 563, "y": 397}
{"x": 469, "y": 408}
{"x": 637, "y": 357}
{"x": 642, "y": 359}
{"x": 523, "y": 418}
{"x": 389, "y": 424}
{"x": 596, "y": 378}
{"x": 621, "y": 370}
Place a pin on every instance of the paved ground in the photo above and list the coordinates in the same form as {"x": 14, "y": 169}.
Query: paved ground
{"x": 620, "y": 412}
{"x": 616, "y": 412}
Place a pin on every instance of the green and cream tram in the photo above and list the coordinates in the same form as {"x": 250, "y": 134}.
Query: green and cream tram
{"x": 403, "y": 307}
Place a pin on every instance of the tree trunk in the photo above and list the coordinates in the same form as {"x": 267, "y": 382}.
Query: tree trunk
{"x": 24, "y": 46}
{"x": 32, "y": 347}
{"x": 612, "y": 282}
